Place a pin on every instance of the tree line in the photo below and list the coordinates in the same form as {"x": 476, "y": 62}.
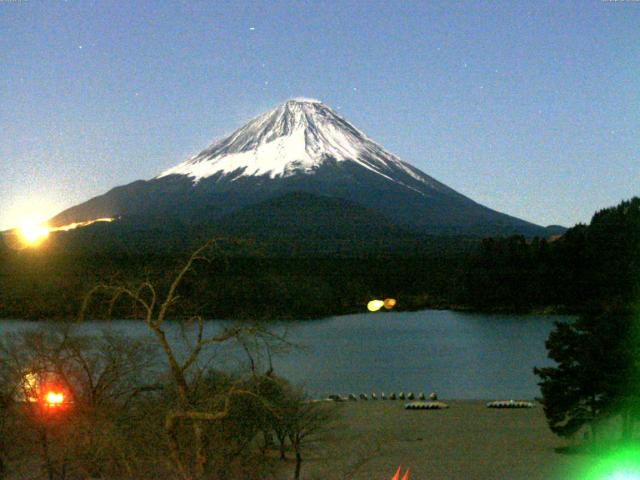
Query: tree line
{"x": 587, "y": 266}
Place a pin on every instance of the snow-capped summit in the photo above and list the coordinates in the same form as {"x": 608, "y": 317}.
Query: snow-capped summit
{"x": 303, "y": 146}
{"x": 295, "y": 137}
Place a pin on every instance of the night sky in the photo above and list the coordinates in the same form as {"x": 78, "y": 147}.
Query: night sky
{"x": 531, "y": 108}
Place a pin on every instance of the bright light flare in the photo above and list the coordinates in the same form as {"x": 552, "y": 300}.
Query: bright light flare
{"x": 624, "y": 476}
{"x": 620, "y": 463}
{"x": 389, "y": 303}
{"x": 33, "y": 234}
{"x": 54, "y": 399}
{"x": 375, "y": 305}
{"x": 72, "y": 226}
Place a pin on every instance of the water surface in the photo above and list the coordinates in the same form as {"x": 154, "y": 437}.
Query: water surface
{"x": 458, "y": 355}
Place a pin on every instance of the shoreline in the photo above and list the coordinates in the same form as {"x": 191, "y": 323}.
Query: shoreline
{"x": 542, "y": 311}
{"x": 467, "y": 440}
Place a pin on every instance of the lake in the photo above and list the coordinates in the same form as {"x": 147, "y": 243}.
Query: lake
{"x": 458, "y": 355}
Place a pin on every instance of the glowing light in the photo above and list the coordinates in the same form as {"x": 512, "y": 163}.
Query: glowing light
{"x": 621, "y": 463}
{"x": 33, "y": 234}
{"x": 397, "y": 475}
{"x": 375, "y": 305}
{"x": 389, "y": 303}
{"x": 54, "y": 399}
{"x": 71, "y": 226}
{"x": 625, "y": 476}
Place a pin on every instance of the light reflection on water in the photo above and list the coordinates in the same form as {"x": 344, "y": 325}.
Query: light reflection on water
{"x": 458, "y": 355}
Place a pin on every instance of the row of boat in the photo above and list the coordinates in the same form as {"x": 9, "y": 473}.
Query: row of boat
{"x": 363, "y": 396}
{"x": 422, "y": 403}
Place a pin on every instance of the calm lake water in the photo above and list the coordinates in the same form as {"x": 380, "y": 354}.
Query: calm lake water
{"x": 458, "y": 355}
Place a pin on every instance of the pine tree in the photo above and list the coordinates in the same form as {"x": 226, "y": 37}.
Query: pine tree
{"x": 596, "y": 375}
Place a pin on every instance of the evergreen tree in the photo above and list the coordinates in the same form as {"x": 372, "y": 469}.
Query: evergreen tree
{"x": 596, "y": 375}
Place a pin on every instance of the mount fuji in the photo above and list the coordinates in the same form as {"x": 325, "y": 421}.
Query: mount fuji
{"x": 299, "y": 157}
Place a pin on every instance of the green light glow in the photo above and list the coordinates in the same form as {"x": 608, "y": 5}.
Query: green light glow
{"x": 625, "y": 476}
{"x": 619, "y": 464}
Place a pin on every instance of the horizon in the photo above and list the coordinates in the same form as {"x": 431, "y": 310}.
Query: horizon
{"x": 526, "y": 109}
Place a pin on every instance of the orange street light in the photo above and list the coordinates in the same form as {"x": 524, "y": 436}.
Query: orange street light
{"x": 54, "y": 399}
{"x": 389, "y": 303}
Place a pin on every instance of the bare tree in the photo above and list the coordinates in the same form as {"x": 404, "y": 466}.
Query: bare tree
{"x": 99, "y": 376}
{"x": 303, "y": 421}
{"x": 189, "y": 463}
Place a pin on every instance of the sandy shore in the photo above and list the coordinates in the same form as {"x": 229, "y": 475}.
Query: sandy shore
{"x": 467, "y": 441}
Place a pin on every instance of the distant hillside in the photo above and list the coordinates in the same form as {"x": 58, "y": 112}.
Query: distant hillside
{"x": 272, "y": 263}
{"x": 587, "y": 267}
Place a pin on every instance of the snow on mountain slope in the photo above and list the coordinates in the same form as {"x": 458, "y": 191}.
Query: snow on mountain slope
{"x": 297, "y": 137}
{"x": 300, "y": 146}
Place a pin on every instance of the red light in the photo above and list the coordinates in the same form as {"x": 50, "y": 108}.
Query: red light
{"x": 54, "y": 399}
